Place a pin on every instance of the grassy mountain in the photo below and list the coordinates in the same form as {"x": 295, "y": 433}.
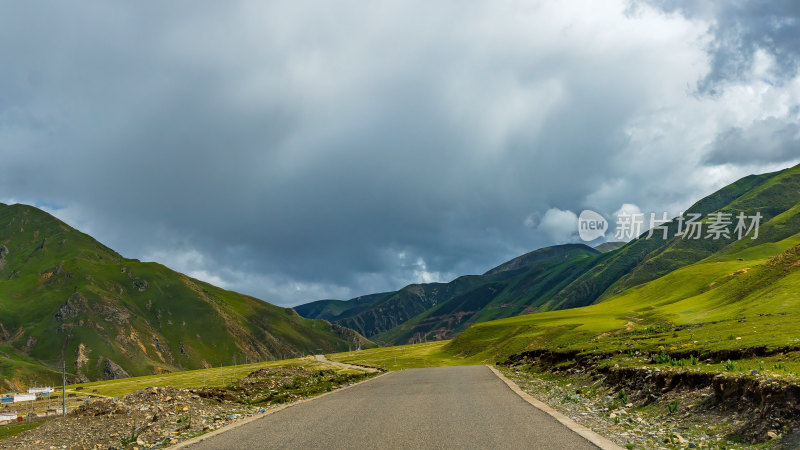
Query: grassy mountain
{"x": 330, "y": 309}
{"x": 526, "y": 289}
{"x": 606, "y": 247}
{"x": 437, "y": 310}
{"x": 64, "y": 293}
{"x": 644, "y": 260}
{"x": 681, "y": 296}
{"x": 740, "y": 300}
{"x": 404, "y": 304}
{"x": 554, "y": 254}
{"x": 573, "y": 276}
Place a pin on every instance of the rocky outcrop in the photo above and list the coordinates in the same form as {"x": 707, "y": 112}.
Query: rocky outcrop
{"x": 113, "y": 371}
{"x": 163, "y": 350}
{"x": 29, "y": 344}
{"x": 140, "y": 285}
{"x": 72, "y": 307}
{"x": 112, "y": 314}
{"x": 3, "y": 257}
{"x": 81, "y": 356}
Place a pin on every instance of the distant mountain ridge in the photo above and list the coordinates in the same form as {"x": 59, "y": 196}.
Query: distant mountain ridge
{"x": 330, "y": 309}
{"x": 62, "y": 292}
{"x": 563, "y": 277}
{"x": 381, "y": 315}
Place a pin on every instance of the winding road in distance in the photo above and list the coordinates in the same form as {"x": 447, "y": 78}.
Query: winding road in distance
{"x": 444, "y": 407}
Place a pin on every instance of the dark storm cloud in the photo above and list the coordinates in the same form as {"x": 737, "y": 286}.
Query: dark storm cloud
{"x": 769, "y": 140}
{"x": 299, "y": 150}
{"x": 740, "y": 29}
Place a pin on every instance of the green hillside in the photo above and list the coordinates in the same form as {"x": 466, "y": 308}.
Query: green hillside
{"x": 741, "y": 299}
{"x": 606, "y": 247}
{"x": 431, "y": 311}
{"x": 644, "y": 260}
{"x": 528, "y": 290}
{"x": 64, "y": 293}
{"x": 331, "y": 309}
{"x": 574, "y": 275}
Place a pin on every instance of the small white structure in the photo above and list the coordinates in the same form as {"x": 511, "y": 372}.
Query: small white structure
{"x": 8, "y": 416}
{"x": 40, "y": 390}
{"x": 24, "y": 397}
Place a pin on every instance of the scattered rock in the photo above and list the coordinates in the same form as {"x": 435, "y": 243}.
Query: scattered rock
{"x": 772, "y": 435}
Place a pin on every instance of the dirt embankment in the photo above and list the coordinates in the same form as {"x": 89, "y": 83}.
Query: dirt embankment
{"x": 767, "y": 406}
{"x": 713, "y": 356}
{"x": 762, "y": 407}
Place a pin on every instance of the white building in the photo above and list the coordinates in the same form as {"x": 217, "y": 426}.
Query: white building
{"x": 40, "y": 390}
{"x": 24, "y": 397}
{"x": 8, "y": 416}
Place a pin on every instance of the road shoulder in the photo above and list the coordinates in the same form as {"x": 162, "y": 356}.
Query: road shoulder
{"x": 584, "y": 432}
{"x": 195, "y": 440}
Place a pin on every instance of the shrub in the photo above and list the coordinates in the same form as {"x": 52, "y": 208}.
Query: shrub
{"x": 663, "y": 358}
{"x": 673, "y": 406}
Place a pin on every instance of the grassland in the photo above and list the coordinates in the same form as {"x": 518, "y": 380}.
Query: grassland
{"x": 7, "y": 431}
{"x": 400, "y": 357}
{"x": 213, "y": 377}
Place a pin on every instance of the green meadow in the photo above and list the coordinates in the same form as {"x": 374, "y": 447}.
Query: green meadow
{"x": 704, "y": 309}
{"x": 212, "y": 377}
{"x": 431, "y": 354}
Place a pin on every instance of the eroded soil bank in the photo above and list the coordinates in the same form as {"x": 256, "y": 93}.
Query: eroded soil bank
{"x": 643, "y": 404}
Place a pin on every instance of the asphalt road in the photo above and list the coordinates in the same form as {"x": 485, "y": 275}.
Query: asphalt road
{"x": 445, "y": 407}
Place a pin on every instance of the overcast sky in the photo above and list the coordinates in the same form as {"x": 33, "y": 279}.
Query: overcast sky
{"x": 303, "y": 150}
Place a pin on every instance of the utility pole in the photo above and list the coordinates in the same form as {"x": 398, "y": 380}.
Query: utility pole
{"x": 63, "y": 387}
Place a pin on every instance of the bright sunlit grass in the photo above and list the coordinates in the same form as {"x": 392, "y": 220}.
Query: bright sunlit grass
{"x": 403, "y": 357}
{"x": 213, "y": 377}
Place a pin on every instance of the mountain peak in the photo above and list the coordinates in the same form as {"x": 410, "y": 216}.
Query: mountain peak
{"x": 553, "y": 253}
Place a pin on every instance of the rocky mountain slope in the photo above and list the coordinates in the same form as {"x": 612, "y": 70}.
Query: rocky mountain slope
{"x": 64, "y": 293}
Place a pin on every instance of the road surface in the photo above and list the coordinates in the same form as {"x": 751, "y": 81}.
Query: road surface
{"x": 444, "y": 407}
